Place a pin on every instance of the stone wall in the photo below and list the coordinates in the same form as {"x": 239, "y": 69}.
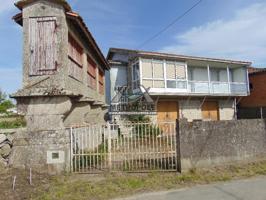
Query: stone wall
{"x": 204, "y": 144}
{"x": 43, "y": 151}
{"x": 6, "y": 144}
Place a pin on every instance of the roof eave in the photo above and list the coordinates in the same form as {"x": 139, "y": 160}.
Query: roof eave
{"x": 81, "y": 23}
{"x": 175, "y": 56}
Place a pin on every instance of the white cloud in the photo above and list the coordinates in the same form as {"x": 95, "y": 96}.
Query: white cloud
{"x": 242, "y": 37}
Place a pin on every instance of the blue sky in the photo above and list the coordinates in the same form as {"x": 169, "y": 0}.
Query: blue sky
{"x": 234, "y": 29}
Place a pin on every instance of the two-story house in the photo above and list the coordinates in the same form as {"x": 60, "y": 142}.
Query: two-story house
{"x": 63, "y": 67}
{"x": 195, "y": 88}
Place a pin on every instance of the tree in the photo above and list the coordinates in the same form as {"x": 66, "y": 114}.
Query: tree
{"x": 2, "y": 96}
{"x": 5, "y": 103}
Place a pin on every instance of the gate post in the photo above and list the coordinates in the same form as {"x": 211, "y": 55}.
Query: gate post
{"x": 71, "y": 150}
{"x": 178, "y": 153}
{"x": 109, "y": 148}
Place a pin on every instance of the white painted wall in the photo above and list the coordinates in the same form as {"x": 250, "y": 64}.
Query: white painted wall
{"x": 118, "y": 77}
{"x": 226, "y": 109}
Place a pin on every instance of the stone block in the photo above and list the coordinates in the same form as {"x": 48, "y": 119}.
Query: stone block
{"x": 5, "y": 150}
{"x": 2, "y": 138}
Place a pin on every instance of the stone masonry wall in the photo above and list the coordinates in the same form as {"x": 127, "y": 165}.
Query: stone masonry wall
{"x": 43, "y": 151}
{"x": 204, "y": 144}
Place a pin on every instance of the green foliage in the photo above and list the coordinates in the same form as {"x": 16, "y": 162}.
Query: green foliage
{"x": 138, "y": 118}
{"x": 5, "y": 105}
{"x": 146, "y": 130}
{"x": 2, "y": 96}
{"x": 92, "y": 158}
{"x": 18, "y": 122}
{"x": 143, "y": 127}
{"x": 121, "y": 185}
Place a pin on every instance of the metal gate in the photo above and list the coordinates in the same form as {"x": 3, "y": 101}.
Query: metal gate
{"x": 132, "y": 147}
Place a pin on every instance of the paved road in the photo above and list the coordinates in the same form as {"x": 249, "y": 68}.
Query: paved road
{"x": 250, "y": 189}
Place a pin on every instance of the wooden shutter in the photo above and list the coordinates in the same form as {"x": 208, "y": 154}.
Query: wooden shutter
{"x": 101, "y": 82}
{"x": 210, "y": 110}
{"x": 91, "y": 73}
{"x": 43, "y": 45}
{"x": 75, "y": 52}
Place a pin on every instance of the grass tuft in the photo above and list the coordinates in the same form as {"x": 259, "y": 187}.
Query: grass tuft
{"x": 122, "y": 185}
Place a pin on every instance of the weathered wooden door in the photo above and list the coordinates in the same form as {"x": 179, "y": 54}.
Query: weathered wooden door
{"x": 43, "y": 45}
{"x": 210, "y": 110}
{"x": 167, "y": 111}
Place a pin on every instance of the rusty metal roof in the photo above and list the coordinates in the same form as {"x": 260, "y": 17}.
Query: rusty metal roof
{"x": 20, "y": 4}
{"x": 160, "y": 55}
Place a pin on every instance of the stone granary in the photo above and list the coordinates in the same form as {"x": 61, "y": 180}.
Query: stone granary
{"x": 63, "y": 67}
{"x": 63, "y": 84}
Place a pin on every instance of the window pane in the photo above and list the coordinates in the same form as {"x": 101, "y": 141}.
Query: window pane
{"x": 180, "y": 72}
{"x": 214, "y": 75}
{"x": 223, "y": 75}
{"x": 158, "y": 84}
{"x": 158, "y": 70}
{"x": 181, "y": 84}
{"x": 171, "y": 84}
{"x": 146, "y": 69}
{"x": 147, "y": 83}
{"x": 170, "y": 71}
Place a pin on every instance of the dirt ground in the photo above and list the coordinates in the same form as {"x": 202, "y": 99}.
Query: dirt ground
{"x": 23, "y": 189}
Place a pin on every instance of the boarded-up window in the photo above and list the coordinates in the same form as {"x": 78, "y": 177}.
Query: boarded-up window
{"x": 101, "y": 82}
{"x": 75, "y": 52}
{"x": 91, "y": 73}
{"x": 43, "y": 45}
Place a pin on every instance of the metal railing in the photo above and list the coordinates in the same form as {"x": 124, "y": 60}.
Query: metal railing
{"x": 133, "y": 147}
{"x": 204, "y": 87}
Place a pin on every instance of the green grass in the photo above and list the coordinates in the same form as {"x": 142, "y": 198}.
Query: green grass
{"x": 121, "y": 185}
{"x": 17, "y": 122}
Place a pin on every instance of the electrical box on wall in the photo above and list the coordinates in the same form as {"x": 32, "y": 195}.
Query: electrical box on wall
{"x": 55, "y": 157}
